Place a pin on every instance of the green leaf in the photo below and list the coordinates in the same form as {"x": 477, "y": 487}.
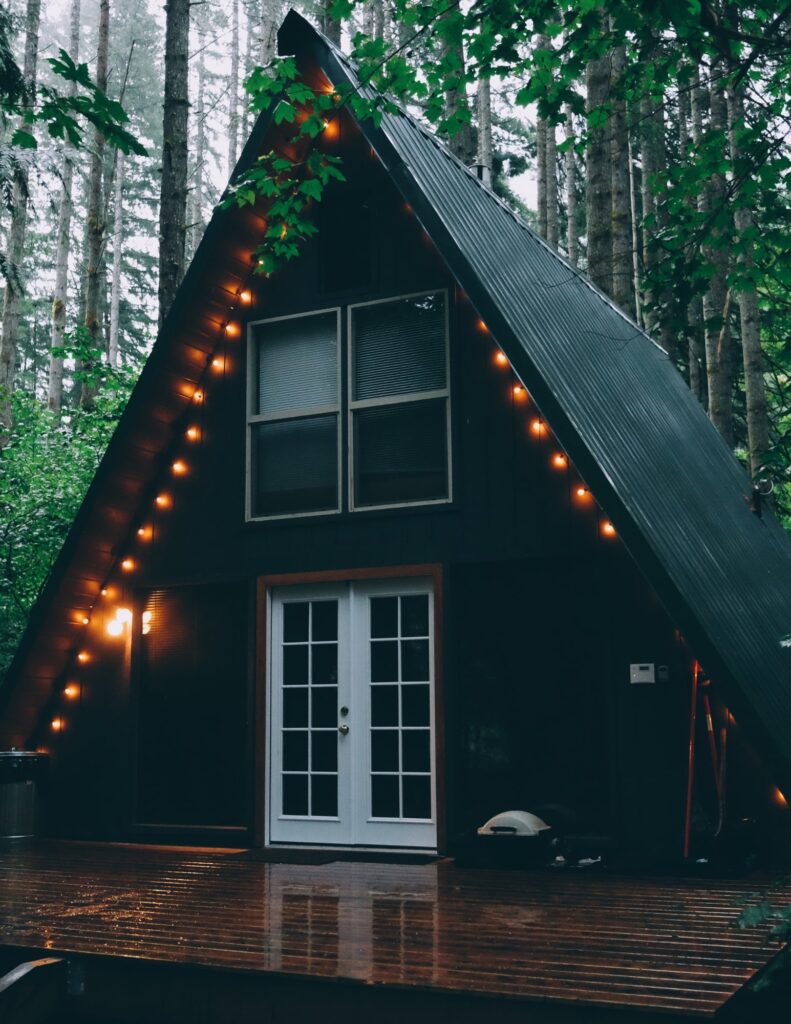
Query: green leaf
{"x": 23, "y": 139}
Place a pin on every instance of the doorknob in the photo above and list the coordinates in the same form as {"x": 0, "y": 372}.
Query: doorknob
{"x": 343, "y": 729}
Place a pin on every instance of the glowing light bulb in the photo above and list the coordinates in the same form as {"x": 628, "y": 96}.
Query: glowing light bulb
{"x": 232, "y": 329}
{"x": 128, "y": 564}
{"x": 71, "y": 691}
{"x": 559, "y": 460}
{"x": 482, "y": 326}
{"x": 218, "y": 364}
{"x": 520, "y": 394}
{"x": 56, "y": 724}
{"x": 145, "y": 533}
{"x": 104, "y": 591}
{"x": 607, "y": 528}
{"x": 124, "y": 615}
{"x": 179, "y": 467}
{"x": 114, "y": 627}
{"x": 163, "y": 501}
{"x": 537, "y": 427}
{"x": 192, "y": 433}
{"x": 246, "y": 296}
{"x": 85, "y": 620}
{"x": 501, "y": 358}
{"x": 582, "y": 492}
{"x": 779, "y": 797}
{"x": 83, "y": 657}
{"x": 198, "y": 395}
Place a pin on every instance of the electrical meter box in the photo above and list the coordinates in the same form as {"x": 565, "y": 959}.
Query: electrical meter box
{"x": 642, "y": 673}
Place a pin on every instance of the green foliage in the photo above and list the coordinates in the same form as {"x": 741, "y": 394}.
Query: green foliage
{"x": 45, "y": 470}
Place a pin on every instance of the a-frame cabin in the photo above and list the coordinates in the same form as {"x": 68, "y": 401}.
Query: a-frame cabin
{"x": 419, "y": 530}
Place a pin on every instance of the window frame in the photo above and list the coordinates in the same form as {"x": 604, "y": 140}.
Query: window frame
{"x": 253, "y": 419}
{"x": 352, "y": 405}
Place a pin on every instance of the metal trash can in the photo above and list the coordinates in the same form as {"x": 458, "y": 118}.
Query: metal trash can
{"x": 20, "y": 774}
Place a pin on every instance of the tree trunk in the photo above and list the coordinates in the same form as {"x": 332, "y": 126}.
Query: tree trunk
{"x": 572, "y": 228}
{"x": 173, "y": 197}
{"x": 368, "y": 19}
{"x": 484, "y": 104}
{"x": 267, "y": 31}
{"x": 716, "y": 301}
{"x": 63, "y": 237}
{"x": 552, "y": 187}
{"x": 598, "y": 198}
{"x": 118, "y": 244}
{"x": 460, "y": 141}
{"x": 690, "y": 132}
{"x": 747, "y": 296}
{"x": 233, "y": 90}
{"x": 621, "y": 202}
{"x": 15, "y": 244}
{"x": 541, "y": 176}
{"x": 95, "y": 210}
{"x": 638, "y": 312}
{"x": 196, "y": 220}
{"x": 331, "y": 27}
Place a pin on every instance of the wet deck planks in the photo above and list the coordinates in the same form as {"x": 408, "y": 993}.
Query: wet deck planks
{"x": 666, "y": 945}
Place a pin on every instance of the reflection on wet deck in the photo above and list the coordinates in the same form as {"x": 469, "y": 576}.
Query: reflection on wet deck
{"x": 656, "y": 944}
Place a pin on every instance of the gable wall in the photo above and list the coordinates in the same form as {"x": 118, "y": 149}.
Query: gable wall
{"x": 543, "y": 615}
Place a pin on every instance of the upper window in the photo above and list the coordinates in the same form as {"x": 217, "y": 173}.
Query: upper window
{"x": 398, "y": 370}
{"x": 396, "y": 400}
{"x": 294, "y": 416}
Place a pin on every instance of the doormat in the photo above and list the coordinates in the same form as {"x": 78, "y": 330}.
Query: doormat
{"x": 273, "y": 855}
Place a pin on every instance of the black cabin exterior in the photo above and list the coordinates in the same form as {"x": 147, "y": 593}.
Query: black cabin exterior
{"x": 420, "y": 530}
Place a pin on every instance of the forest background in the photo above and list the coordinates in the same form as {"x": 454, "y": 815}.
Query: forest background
{"x": 647, "y": 142}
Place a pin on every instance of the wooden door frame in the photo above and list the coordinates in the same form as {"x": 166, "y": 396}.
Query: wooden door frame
{"x": 432, "y": 571}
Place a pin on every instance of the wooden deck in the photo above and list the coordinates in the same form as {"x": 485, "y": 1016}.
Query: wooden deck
{"x": 553, "y": 940}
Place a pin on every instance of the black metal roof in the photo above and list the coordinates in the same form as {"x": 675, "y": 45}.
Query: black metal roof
{"x": 674, "y": 491}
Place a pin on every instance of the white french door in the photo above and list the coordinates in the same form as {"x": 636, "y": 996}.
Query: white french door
{"x": 351, "y": 714}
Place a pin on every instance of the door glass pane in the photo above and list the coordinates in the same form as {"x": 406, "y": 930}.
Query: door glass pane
{"x": 297, "y": 363}
{"x": 384, "y": 617}
{"x": 384, "y": 705}
{"x": 324, "y": 753}
{"x": 323, "y": 796}
{"x": 295, "y": 794}
{"x": 324, "y": 664}
{"x": 414, "y": 615}
{"x": 415, "y": 709}
{"x": 295, "y": 621}
{"x": 295, "y": 665}
{"x": 295, "y": 466}
{"x": 295, "y": 708}
{"x": 401, "y": 453}
{"x": 384, "y": 750}
{"x": 417, "y": 796}
{"x": 399, "y": 347}
{"x": 416, "y": 750}
{"x": 384, "y": 661}
{"x": 385, "y": 802}
{"x": 324, "y": 706}
{"x": 324, "y": 620}
{"x": 295, "y": 751}
{"x": 414, "y": 660}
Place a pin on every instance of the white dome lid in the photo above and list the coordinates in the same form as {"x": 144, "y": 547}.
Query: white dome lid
{"x": 520, "y": 823}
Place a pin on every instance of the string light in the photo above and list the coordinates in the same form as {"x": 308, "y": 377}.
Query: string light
{"x": 163, "y": 501}
{"x": 71, "y": 691}
{"x": 104, "y": 591}
{"x": 537, "y": 427}
{"x": 192, "y": 433}
{"x": 218, "y": 364}
{"x": 145, "y": 533}
{"x": 232, "y": 329}
{"x": 85, "y": 620}
{"x": 179, "y": 467}
{"x": 246, "y": 296}
{"x": 198, "y": 395}
{"x": 582, "y": 492}
{"x": 482, "y": 326}
{"x": 115, "y": 628}
{"x": 559, "y": 460}
{"x": 607, "y": 529}
{"x": 128, "y": 564}
{"x": 57, "y": 724}
{"x": 501, "y": 358}
{"x": 519, "y": 392}
{"x": 779, "y": 797}
{"x": 83, "y": 657}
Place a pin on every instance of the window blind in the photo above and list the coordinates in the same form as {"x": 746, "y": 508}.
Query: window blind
{"x": 399, "y": 347}
{"x": 297, "y": 363}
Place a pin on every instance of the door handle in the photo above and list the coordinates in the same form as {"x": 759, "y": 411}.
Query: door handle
{"x": 343, "y": 729}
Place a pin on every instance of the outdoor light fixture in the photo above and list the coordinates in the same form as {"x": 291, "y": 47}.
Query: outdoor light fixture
{"x": 607, "y": 528}
{"x": 537, "y": 427}
{"x": 500, "y": 357}
{"x": 559, "y": 460}
{"x": 519, "y": 392}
